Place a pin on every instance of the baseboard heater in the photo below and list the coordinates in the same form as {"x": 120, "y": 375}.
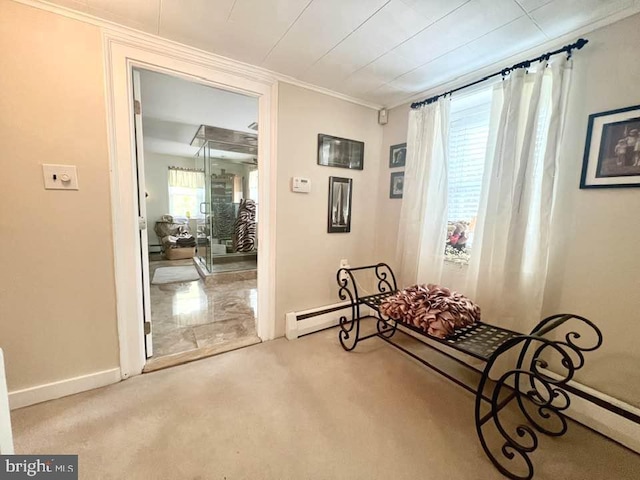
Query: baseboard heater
{"x": 315, "y": 319}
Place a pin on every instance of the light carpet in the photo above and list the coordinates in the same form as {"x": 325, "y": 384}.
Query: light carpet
{"x": 297, "y": 410}
{"x": 164, "y": 275}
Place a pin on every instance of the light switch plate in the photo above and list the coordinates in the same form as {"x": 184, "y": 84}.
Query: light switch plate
{"x": 60, "y": 177}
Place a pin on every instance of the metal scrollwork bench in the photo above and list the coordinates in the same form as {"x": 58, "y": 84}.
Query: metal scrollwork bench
{"x": 539, "y": 396}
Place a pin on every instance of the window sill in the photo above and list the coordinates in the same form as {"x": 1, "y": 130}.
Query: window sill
{"x": 459, "y": 262}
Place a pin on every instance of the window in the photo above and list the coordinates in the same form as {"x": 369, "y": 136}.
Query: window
{"x": 186, "y": 192}
{"x": 468, "y": 135}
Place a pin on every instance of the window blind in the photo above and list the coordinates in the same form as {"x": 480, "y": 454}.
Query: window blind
{"x": 468, "y": 134}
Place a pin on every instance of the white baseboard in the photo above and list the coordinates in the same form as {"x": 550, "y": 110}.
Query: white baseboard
{"x": 609, "y": 424}
{"x": 62, "y": 388}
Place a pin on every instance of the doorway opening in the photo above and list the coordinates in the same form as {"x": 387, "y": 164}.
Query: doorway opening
{"x": 197, "y": 164}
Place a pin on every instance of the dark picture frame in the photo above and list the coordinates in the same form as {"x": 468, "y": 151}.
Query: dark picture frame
{"x": 612, "y": 150}
{"x": 340, "y": 152}
{"x": 397, "y": 155}
{"x": 339, "y": 211}
{"x": 396, "y": 185}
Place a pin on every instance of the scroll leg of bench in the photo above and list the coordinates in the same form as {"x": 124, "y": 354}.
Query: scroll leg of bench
{"x": 507, "y": 447}
{"x": 386, "y": 326}
{"x": 547, "y": 399}
{"x": 540, "y": 398}
{"x": 349, "y": 333}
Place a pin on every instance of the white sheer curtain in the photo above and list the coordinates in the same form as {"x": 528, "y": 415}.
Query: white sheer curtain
{"x": 508, "y": 267}
{"x": 179, "y": 177}
{"x": 186, "y": 192}
{"x": 423, "y": 216}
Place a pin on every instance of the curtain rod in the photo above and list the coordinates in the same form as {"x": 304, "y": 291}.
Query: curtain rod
{"x": 505, "y": 71}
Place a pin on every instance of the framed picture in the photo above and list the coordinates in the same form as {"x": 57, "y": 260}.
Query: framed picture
{"x": 612, "y": 151}
{"x": 396, "y": 186}
{"x": 397, "y": 155}
{"x": 339, "y": 220}
{"x": 340, "y": 152}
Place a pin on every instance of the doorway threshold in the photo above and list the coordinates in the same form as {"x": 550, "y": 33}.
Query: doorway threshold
{"x": 243, "y": 271}
{"x": 166, "y": 361}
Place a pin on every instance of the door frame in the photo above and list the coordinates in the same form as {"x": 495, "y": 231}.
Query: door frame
{"x": 122, "y": 53}
{"x": 143, "y": 231}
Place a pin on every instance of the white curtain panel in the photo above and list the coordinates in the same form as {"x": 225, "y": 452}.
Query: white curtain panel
{"x": 508, "y": 266}
{"x": 423, "y": 216}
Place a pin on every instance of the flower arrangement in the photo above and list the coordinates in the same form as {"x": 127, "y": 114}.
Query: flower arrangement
{"x": 460, "y": 256}
{"x": 456, "y": 250}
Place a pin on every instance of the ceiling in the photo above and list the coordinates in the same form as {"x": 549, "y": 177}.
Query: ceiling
{"x": 174, "y": 108}
{"x": 381, "y": 51}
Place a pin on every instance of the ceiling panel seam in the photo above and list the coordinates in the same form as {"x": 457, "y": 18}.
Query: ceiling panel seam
{"x": 447, "y": 53}
{"x": 551, "y": 43}
{"x": 533, "y": 20}
{"x": 351, "y": 33}
{"x": 159, "y": 16}
{"x": 406, "y": 40}
{"x": 286, "y": 31}
{"x": 231, "y": 11}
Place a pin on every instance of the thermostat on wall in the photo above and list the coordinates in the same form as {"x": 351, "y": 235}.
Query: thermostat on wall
{"x": 301, "y": 185}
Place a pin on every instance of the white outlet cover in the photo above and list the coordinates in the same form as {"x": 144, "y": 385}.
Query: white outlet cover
{"x": 55, "y": 175}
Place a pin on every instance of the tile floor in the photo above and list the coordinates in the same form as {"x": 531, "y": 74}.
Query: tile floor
{"x": 192, "y": 315}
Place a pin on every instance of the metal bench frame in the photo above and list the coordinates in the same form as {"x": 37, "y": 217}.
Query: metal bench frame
{"x": 540, "y": 398}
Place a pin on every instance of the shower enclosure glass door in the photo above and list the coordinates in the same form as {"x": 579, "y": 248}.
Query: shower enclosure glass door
{"x": 227, "y": 234}
{"x": 204, "y": 229}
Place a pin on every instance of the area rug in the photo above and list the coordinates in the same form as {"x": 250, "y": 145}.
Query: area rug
{"x": 164, "y": 275}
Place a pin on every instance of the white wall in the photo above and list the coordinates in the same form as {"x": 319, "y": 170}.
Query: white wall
{"x": 594, "y": 264}
{"x": 307, "y": 256}
{"x": 57, "y": 292}
{"x": 394, "y": 132}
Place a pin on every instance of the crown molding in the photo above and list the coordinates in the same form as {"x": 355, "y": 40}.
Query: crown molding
{"x": 114, "y": 32}
{"x": 543, "y": 47}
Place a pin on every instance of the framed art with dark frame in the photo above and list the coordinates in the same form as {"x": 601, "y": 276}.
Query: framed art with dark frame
{"x": 396, "y": 185}
{"x": 339, "y": 215}
{"x": 397, "y": 155}
{"x": 612, "y": 150}
{"x": 340, "y": 152}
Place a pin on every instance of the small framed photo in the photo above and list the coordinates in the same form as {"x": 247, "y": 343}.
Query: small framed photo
{"x": 612, "y": 151}
{"x": 396, "y": 187}
{"x": 397, "y": 155}
{"x": 339, "y": 220}
{"x": 340, "y": 152}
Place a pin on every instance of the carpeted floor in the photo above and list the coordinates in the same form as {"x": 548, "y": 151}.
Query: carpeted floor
{"x": 293, "y": 410}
